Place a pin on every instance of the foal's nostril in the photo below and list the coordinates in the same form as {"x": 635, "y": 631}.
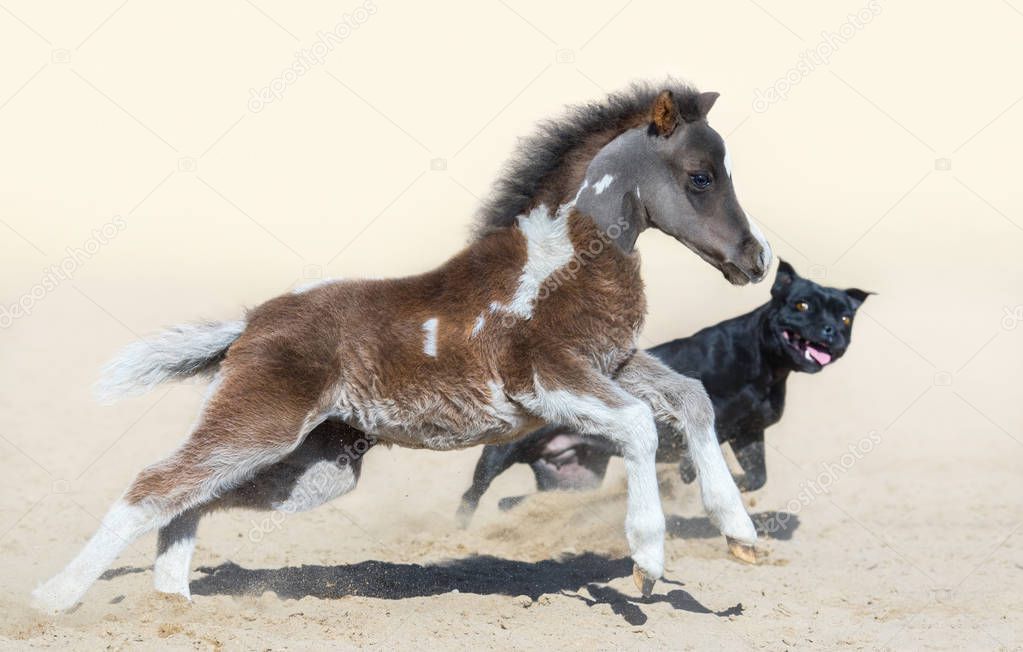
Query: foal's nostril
{"x": 755, "y": 259}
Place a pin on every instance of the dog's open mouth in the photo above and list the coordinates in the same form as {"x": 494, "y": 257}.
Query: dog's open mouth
{"x": 811, "y": 351}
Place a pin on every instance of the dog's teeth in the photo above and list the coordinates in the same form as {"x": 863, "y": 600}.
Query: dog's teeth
{"x": 806, "y": 354}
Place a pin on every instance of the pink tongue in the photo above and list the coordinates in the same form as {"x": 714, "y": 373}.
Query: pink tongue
{"x": 820, "y": 357}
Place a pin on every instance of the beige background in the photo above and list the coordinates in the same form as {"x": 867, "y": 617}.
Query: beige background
{"x": 141, "y": 110}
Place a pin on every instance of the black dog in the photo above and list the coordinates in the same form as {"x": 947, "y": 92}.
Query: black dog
{"x": 743, "y": 363}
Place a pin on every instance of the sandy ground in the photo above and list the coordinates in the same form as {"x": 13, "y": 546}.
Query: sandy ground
{"x": 877, "y": 170}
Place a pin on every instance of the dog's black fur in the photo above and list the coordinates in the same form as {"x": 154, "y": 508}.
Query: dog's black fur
{"x": 743, "y": 363}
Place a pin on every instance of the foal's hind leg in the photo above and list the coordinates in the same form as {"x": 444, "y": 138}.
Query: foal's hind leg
{"x": 326, "y": 465}
{"x": 241, "y": 430}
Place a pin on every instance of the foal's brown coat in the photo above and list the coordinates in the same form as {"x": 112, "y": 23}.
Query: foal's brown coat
{"x": 365, "y": 338}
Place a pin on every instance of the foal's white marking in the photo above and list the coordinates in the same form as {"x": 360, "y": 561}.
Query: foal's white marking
{"x": 586, "y": 184}
{"x": 312, "y": 284}
{"x": 477, "y": 328}
{"x": 604, "y": 182}
{"x": 430, "y": 337}
{"x": 728, "y": 162}
{"x": 767, "y": 255}
{"x": 548, "y": 247}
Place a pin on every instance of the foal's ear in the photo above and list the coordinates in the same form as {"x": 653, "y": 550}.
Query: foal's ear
{"x": 858, "y": 296}
{"x": 705, "y": 101}
{"x": 783, "y": 279}
{"x": 664, "y": 115}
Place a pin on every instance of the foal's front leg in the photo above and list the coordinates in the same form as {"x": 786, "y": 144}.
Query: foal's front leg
{"x": 581, "y": 398}
{"x": 683, "y": 403}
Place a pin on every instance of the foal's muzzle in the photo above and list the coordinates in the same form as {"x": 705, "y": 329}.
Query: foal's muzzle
{"x": 751, "y": 264}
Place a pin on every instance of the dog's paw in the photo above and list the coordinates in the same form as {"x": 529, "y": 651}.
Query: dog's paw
{"x": 687, "y": 472}
{"x": 510, "y": 503}
{"x": 463, "y": 517}
{"x": 748, "y": 483}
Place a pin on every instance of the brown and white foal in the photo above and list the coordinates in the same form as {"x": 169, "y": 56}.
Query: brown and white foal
{"x": 534, "y": 322}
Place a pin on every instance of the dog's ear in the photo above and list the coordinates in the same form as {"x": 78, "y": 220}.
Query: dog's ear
{"x": 858, "y": 296}
{"x": 783, "y": 279}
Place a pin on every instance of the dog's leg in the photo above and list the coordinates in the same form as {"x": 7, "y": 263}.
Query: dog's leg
{"x": 683, "y": 403}
{"x": 241, "y": 431}
{"x": 581, "y": 398}
{"x": 749, "y": 451}
{"x": 686, "y": 469}
{"x": 495, "y": 460}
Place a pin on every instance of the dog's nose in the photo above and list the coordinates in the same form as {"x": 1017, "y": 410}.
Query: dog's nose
{"x": 828, "y": 332}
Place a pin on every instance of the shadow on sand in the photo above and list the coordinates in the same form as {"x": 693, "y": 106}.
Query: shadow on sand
{"x": 774, "y": 525}
{"x": 481, "y": 575}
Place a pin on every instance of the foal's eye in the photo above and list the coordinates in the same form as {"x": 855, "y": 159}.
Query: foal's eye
{"x": 802, "y": 306}
{"x": 847, "y": 320}
{"x": 700, "y": 180}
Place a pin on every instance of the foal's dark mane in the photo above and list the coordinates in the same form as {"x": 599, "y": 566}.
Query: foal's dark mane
{"x": 548, "y": 166}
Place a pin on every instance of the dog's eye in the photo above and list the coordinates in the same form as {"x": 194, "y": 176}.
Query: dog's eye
{"x": 701, "y": 180}
{"x": 802, "y": 306}
{"x": 847, "y": 320}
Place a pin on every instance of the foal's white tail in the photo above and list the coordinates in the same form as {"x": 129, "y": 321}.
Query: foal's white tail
{"x": 178, "y": 352}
